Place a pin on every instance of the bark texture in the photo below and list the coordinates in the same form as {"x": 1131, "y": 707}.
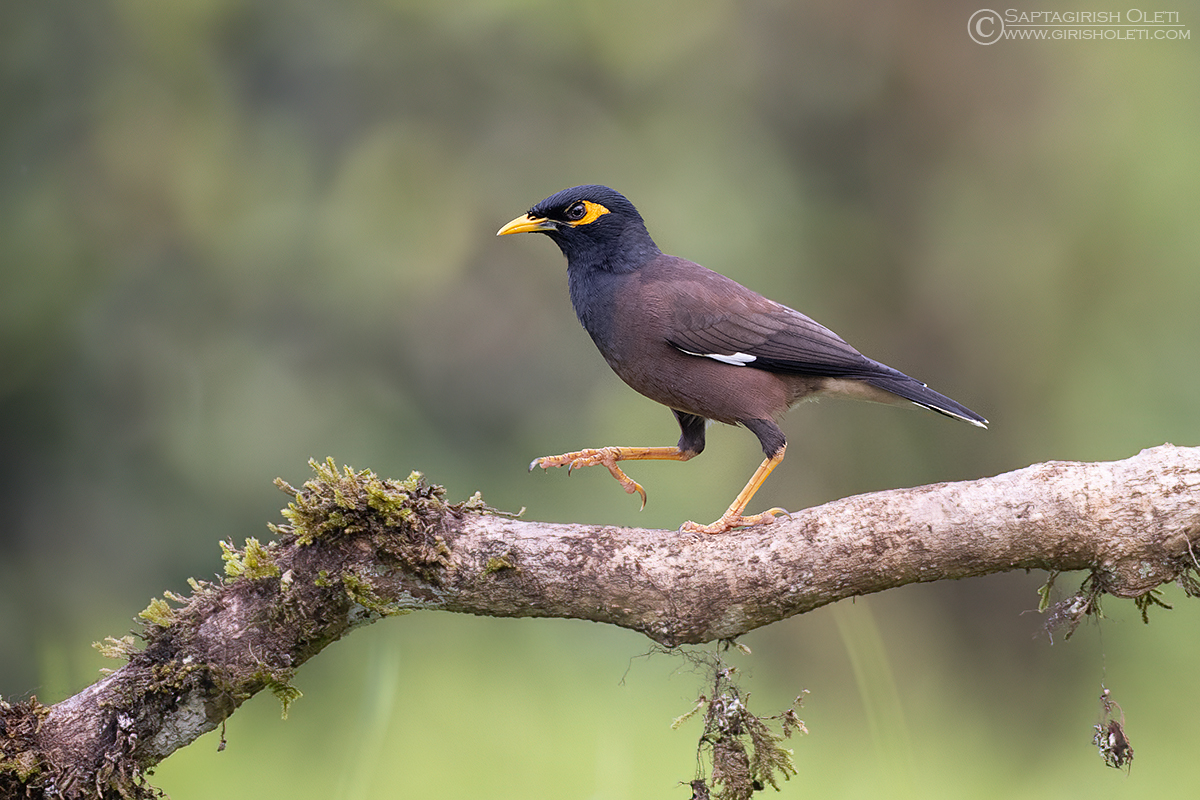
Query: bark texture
{"x": 357, "y": 548}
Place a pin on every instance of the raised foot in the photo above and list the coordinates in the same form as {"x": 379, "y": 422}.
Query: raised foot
{"x": 729, "y": 522}
{"x": 600, "y": 456}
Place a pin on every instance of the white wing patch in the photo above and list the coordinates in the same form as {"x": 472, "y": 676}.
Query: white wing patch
{"x": 736, "y": 359}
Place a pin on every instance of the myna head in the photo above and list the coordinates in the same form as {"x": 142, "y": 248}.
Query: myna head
{"x": 594, "y": 226}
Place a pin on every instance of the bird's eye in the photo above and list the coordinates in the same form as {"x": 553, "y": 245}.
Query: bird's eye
{"x": 576, "y": 212}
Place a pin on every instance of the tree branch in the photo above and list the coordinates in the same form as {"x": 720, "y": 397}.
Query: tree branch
{"x": 357, "y": 548}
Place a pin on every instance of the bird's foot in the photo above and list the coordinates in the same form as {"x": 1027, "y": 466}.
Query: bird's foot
{"x": 730, "y": 521}
{"x": 600, "y": 456}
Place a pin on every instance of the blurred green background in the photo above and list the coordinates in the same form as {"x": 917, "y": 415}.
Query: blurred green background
{"x": 238, "y": 235}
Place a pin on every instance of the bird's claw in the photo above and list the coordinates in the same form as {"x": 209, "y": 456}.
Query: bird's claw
{"x": 730, "y": 521}
{"x": 606, "y": 457}
{"x": 634, "y": 486}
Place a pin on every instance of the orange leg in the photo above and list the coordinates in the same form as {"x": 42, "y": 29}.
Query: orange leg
{"x": 732, "y": 518}
{"x": 609, "y": 456}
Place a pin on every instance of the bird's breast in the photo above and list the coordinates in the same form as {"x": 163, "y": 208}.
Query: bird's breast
{"x": 593, "y": 296}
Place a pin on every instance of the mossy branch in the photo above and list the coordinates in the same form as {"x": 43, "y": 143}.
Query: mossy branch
{"x": 357, "y": 548}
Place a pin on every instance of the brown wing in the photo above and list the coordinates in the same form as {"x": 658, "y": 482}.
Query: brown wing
{"x": 714, "y": 316}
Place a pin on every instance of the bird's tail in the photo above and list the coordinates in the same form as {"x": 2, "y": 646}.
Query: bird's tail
{"x": 901, "y": 385}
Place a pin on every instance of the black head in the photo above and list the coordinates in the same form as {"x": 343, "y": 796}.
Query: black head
{"x": 594, "y": 226}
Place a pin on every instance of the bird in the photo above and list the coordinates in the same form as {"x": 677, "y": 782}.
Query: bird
{"x": 699, "y": 343}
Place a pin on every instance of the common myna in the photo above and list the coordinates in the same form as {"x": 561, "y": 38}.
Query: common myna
{"x": 701, "y": 344}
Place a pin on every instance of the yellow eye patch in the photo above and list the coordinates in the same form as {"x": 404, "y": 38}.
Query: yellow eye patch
{"x": 593, "y": 212}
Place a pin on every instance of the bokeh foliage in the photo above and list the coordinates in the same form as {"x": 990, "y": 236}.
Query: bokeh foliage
{"x": 235, "y": 236}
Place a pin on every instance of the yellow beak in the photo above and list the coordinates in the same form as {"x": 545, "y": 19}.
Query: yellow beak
{"x": 526, "y": 224}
